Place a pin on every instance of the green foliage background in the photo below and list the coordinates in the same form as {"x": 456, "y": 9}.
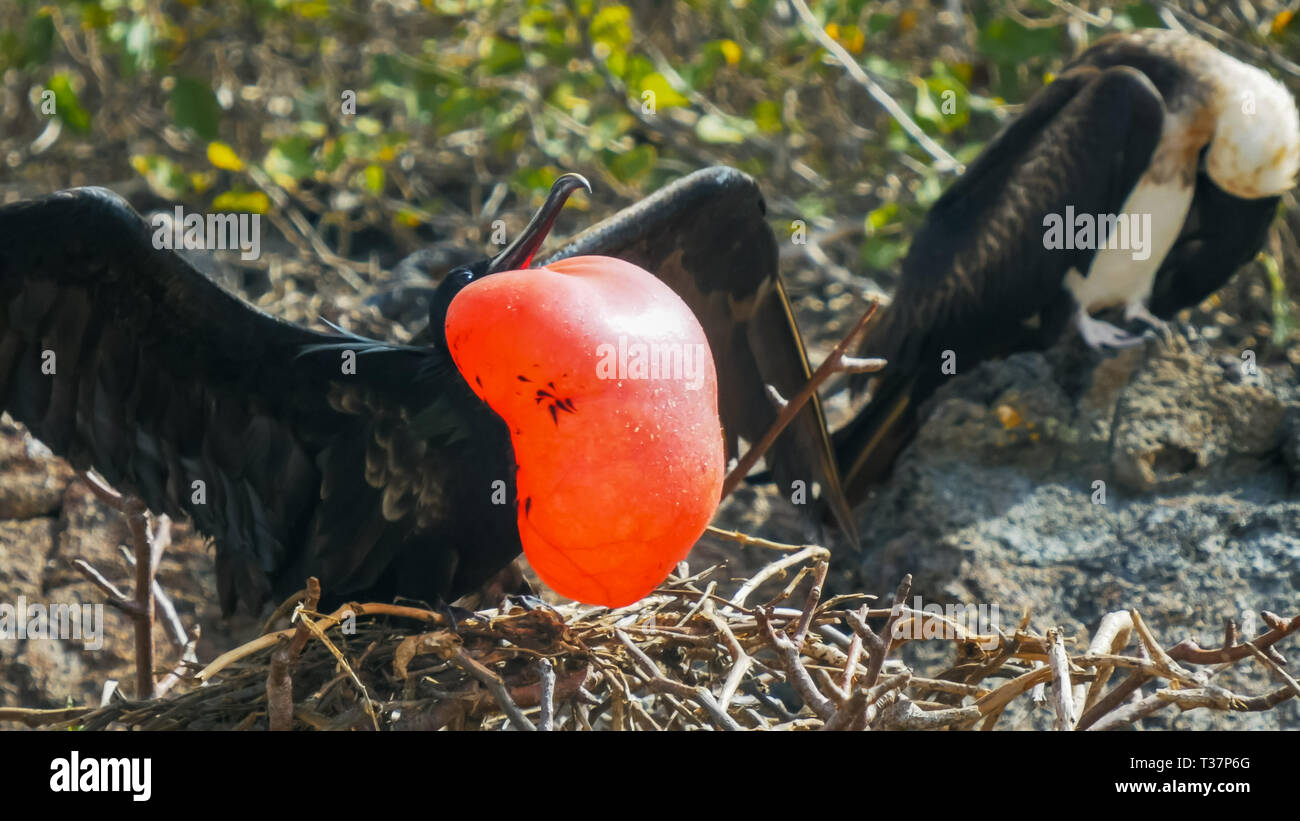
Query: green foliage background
{"x": 236, "y": 104}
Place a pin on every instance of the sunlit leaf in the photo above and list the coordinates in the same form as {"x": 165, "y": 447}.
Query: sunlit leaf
{"x": 165, "y": 178}
{"x": 714, "y": 129}
{"x": 67, "y": 106}
{"x": 224, "y": 157}
{"x": 1283, "y": 321}
{"x": 883, "y": 252}
{"x": 375, "y": 178}
{"x": 311, "y": 9}
{"x": 611, "y": 28}
{"x": 247, "y": 202}
{"x": 200, "y": 181}
{"x": 407, "y": 218}
{"x": 880, "y": 217}
{"x": 730, "y": 51}
{"x": 665, "y": 96}
{"x": 538, "y": 179}
{"x": 368, "y": 126}
{"x": 766, "y": 114}
{"x": 289, "y": 161}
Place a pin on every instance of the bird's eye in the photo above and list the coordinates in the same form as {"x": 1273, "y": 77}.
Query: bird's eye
{"x": 459, "y": 278}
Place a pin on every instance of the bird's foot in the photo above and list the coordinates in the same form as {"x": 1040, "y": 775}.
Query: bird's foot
{"x": 527, "y": 602}
{"x": 1140, "y": 312}
{"x": 1098, "y": 333}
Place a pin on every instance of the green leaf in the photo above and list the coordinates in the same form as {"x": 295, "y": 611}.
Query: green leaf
{"x": 882, "y": 252}
{"x": 240, "y": 201}
{"x": 665, "y": 96}
{"x": 368, "y": 126}
{"x": 612, "y": 28}
{"x": 195, "y": 107}
{"x": 457, "y": 110}
{"x": 609, "y": 128}
{"x": 67, "y": 106}
{"x": 500, "y": 56}
{"x": 715, "y": 129}
{"x": 1283, "y": 321}
{"x": 1007, "y": 41}
{"x": 537, "y": 179}
{"x": 633, "y": 68}
{"x": 165, "y": 178}
{"x": 635, "y": 164}
{"x": 926, "y": 110}
{"x": 33, "y": 46}
{"x": 1138, "y": 15}
{"x": 224, "y": 157}
{"x": 375, "y": 179}
{"x": 881, "y": 23}
{"x": 766, "y": 115}
{"x": 880, "y": 217}
{"x": 311, "y": 9}
{"x": 290, "y": 160}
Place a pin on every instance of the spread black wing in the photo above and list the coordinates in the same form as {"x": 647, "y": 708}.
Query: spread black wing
{"x": 125, "y": 358}
{"x": 706, "y": 236}
{"x": 977, "y": 271}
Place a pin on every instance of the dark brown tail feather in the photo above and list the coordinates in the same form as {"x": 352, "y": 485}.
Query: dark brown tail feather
{"x": 868, "y": 445}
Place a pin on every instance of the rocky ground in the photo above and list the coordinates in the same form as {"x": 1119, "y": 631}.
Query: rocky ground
{"x": 1162, "y": 478}
{"x": 48, "y": 518}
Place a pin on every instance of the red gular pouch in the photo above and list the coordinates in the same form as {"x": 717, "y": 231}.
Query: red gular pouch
{"x": 606, "y": 381}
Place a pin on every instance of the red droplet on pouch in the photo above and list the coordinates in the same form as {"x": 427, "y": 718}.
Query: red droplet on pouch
{"x": 606, "y": 381}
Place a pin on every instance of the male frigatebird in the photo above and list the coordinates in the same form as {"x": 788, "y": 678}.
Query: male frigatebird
{"x": 380, "y": 483}
{"x": 1140, "y": 178}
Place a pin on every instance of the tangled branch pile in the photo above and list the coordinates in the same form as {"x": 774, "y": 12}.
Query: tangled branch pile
{"x": 687, "y": 657}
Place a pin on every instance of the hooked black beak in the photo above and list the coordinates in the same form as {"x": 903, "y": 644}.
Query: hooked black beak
{"x": 519, "y": 254}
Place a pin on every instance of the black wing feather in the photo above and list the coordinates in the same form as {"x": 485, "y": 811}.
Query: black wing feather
{"x": 1221, "y": 234}
{"x": 706, "y": 237}
{"x": 977, "y": 269}
{"x": 162, "y": 379}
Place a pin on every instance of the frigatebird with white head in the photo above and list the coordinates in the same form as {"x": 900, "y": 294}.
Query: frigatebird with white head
{"x": 1153, "y": 131}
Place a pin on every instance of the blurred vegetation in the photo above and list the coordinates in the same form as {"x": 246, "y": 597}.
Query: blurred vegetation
{"x": 248, "y": 105}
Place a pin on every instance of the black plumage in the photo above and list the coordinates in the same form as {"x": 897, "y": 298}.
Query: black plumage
{"x": 378, "y": 482}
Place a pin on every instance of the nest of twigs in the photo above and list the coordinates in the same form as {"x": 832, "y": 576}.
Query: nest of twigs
{"x": 691, "y": 656}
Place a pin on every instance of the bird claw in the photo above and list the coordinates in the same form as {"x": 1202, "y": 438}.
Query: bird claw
{"x": 1141, "y": 313}
{"x": 528, "y": 602}
{"x": 1098, "y": 333}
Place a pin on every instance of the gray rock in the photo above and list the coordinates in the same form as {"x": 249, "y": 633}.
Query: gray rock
{"x": 1074, "y": 484}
